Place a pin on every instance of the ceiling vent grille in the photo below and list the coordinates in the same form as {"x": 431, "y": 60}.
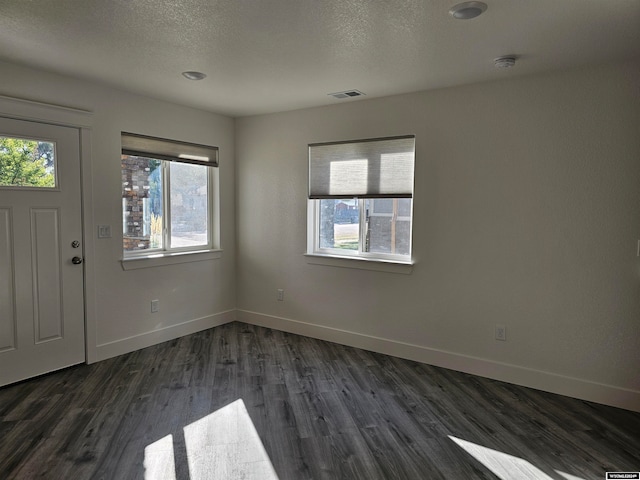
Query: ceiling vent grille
{"x": 347, "y": 94}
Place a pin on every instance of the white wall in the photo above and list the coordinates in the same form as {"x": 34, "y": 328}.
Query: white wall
{"x": 526, "y": 213}
{"x": 192, "y": 295}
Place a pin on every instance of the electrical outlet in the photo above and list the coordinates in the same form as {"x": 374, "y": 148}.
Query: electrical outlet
{"x": 280, "y": 295}
{"x": 155, "y": 305}
{"x": 501, "y": 333}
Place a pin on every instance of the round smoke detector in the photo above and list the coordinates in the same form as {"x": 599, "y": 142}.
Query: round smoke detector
{"x": 194, "y": 75}
{"x": 505, "y": 62}
{"x": 467, "y": 10}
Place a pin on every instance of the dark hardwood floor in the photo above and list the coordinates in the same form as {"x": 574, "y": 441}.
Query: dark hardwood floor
{"x": 321, "y": 410}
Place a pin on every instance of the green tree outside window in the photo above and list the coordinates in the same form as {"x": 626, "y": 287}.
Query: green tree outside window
{"x": 26, "y": 163}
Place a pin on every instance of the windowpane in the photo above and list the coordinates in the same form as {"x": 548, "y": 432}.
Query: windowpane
{"x": 189, "y": 205}
{"x": 27, "y": 163}
{"x": 382, "y": 205}
{"x": 387, "y": 230}
{"x": 404, "y": 207}
{"x": 142, "y": 188}
{"x": 339, "y": 224}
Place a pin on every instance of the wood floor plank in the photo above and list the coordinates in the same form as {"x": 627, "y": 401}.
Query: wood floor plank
{"x": 320, "y": 411}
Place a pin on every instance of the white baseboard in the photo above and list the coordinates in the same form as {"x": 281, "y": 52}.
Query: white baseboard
{"x": 527, "y": 377}
{"x": 136, "y": 342}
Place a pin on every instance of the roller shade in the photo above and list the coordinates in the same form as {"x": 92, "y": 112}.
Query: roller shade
{"x": 375, "y": 168}
{"x": 172, "y": 150}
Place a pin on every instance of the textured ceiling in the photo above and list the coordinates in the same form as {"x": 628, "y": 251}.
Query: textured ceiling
{"x": 273, "y": 55}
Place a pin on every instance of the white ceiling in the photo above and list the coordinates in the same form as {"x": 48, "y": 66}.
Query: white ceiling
{"x": 274, "y": 55}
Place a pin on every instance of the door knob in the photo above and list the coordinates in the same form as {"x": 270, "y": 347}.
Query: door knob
{"x": 76, "y": 260}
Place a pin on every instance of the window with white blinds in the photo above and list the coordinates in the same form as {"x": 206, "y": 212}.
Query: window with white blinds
{"x": 137, "y": 145}
{"x": 374, "y": 168}
{"x": 167, "y": 196}
{"x": 361, "y": 199}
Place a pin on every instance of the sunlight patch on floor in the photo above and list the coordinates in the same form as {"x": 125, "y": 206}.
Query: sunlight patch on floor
{"x": 159, "y": 462}
{"x": 568, "y": 476}
{"x": 505, "y": 466}
{"x": 224, "y": 445}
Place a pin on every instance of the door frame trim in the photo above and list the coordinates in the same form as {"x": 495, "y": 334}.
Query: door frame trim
{"x": 82, "y": 120}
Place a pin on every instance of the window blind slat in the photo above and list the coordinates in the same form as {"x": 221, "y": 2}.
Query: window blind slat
{"x": 376, "y": 168}
{"x": 171, "y": 150}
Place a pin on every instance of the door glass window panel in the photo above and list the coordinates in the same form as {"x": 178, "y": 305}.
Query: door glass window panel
{"x": 189, "y": 205}
{"x": 27, "y": 163}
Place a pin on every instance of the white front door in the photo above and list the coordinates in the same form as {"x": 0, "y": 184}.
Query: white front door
{"x": 41, "y": 269}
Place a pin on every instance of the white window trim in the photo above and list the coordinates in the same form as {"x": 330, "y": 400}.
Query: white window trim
{"x": 169, "y": 258}
{"x": 168, "y": 151}
{"x": 359, "y": 263}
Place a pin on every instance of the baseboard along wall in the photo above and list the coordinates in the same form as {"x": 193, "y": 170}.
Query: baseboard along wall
{"x": 518, "y": 375}
{"x": 143, "y": 340}
{"x": 515, "y": 374}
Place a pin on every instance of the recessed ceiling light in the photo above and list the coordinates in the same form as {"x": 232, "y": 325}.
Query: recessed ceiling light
{"x": 193, "y": 75}
{"x": 505, "y": 62}
{"x": 467, "y": 10}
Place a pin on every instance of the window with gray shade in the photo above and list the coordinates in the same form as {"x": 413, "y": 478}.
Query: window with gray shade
{"x": 167, "y": 194}
{"x": 365, "y": 168}
{"x": 360, "y": 199}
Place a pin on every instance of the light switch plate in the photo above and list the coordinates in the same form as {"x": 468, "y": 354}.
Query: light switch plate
{"x": 104, "y": 231}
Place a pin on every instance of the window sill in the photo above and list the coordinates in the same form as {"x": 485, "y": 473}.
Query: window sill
{"x": 162, "y": 259}
{"x": 360, "y": 263}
